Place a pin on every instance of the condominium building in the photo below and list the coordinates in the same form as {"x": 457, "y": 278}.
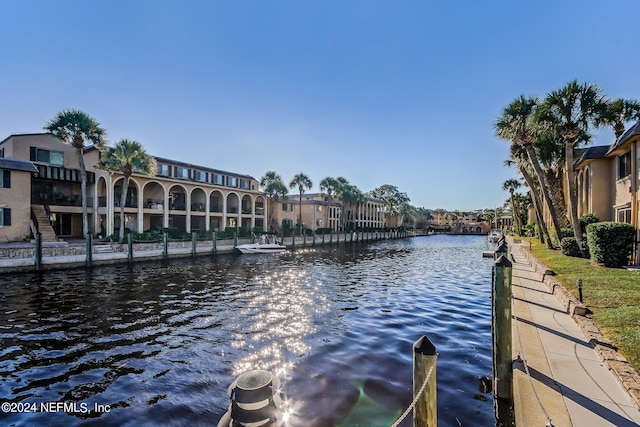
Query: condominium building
{"x": 181, "y": 195}
{"x": 319, "y": 212}
{"x": 608, "y": 178}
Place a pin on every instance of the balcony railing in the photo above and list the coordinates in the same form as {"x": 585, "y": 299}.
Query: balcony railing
{"x": 128, "y": 204}
{"x": 59, "y": 199}
{"x": 197, "y": 207}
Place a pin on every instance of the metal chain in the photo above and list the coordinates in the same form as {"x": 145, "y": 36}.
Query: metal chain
{"x": 526, "y": 367}
{"x": 415, "y": 400}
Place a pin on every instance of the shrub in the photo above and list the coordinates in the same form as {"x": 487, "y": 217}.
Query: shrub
{"x": 570, "y": 247}
{"x": 586, "y": 220}
{"x": 566, "y": 232}
{"x": 610, "y": 243}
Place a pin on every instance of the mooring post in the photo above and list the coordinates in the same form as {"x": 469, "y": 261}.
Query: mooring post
{"x": 38, "y": 253}
{"x": 424, "y": 369}
{"x": 502, "y": 249}
{"x": 322, "y": 238}
{"x": 165, "y": 242}
{"x": 130, "y": 248}
{"x": 235, "y": 239}
{"x": 213, "y": 242}
{"x": 313, "y": 234}
{"x": 88, "y": 254}
{"x": 293, "y": 239}
{"x": 304, "y": 238}
{"x": 501, "y": 328}
{"x": 194, "y": 243}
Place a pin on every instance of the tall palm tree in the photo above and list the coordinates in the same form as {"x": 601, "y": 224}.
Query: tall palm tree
{"x": 517, "y": 124}
{"x": 511, "y": 185}
{"x": 328, "y": 186}
{"x": 303, "y": 182}
{"x": 519, "y": 158}
{"x": 571, "y": 110}
{"x": 274, "y": 187}
{"x": 127, "y": 157}
{"x": 617, "y": 113}
{"x": 75, "y": 128}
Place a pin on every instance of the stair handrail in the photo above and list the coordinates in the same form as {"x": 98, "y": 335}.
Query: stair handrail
{"x": 33, "y": 223}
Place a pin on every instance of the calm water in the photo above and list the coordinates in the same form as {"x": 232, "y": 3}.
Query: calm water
{"x": 160, "y": 344}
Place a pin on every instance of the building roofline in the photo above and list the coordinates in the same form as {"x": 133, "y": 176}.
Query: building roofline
{"x": 17, "y": 164}
{"x": 625, "y": 137}
{"x": 204, "y": 168}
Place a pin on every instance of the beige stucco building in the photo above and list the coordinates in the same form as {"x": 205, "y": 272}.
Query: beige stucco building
{"x": 181, "y": 195}
{"x": 318, "y": 212}
{"x": 15, "y": 176}
{"x": 608, "y": 178}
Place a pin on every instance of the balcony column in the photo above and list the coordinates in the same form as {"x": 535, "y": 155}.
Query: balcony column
{"x": 188, "y": 210}
{"x": 253, "y": 212}
{"x": 141, "y": 209}
{"x": 224, "y": 211}
{"x": 110, "y": 207}
{"x": 207, "y": 214}
{"x": 165, "y": 207}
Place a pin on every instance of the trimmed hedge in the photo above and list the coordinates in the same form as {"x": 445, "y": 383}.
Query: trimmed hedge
{"x": 610, "y": 243}
{"x": 570, "y": 247}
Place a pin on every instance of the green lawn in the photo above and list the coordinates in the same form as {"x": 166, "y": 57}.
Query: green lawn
{"x": 612, "y": 294}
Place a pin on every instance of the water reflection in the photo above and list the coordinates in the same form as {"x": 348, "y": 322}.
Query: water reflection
{"x": 160, "y": 344}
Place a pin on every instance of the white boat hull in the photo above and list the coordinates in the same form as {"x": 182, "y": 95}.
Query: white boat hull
{"x": 257, "y": 248}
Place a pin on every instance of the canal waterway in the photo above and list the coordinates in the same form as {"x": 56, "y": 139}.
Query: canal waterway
{"x": 158, "y": 344}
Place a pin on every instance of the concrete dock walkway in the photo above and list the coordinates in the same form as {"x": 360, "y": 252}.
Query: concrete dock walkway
{"x": 568, "y": 382}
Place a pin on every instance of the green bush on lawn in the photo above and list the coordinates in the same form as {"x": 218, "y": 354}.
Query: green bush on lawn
{"x": 610, "y": 243}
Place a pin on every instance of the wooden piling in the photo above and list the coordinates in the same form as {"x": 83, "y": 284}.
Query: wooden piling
{"x": 89, "y": 254}
{"x": 235, "y": 239}
{"x": 501, "y": 328}
{"x": 213, "y": 242}
{"x": 502, "y": 249}
{"x": 38, "y": 252}
{"x": 424, "y": 366}
{"x": 194, "y": 243}
{"x": 130, "y": 248}
{"x": 165, "y": 242}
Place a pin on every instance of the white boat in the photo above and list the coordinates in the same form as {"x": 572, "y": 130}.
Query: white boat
{"x": 266, "y": 243}
{"x": 494, "y": 236}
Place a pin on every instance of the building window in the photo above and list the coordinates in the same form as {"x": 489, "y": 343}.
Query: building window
{"x": 624, "y": 215}
{"x": 181, "y": 173}
{"x": 232, "y": 182}
{"x": 217, "y": 179}
{"x": 201, "y": 176}
{"x": 287, "y": 207}
{"x": 245, "y": 184}
{"x": 46, "y": 156}
{"x": 1, "y": 153}
{"x": 5, "y": 217}
{"x": 624, "y": 165}
{"x": 163, "y": 170}
{"x": 5, "y": 178}
{"x": 287, "y": 223}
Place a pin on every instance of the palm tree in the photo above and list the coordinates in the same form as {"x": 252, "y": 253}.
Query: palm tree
{"x": 519, "y": 159}
{"x": 328, "y": 186}
{"x": 303, "y": 182}
{"x": 127, "y": 157}
{"x": 517, "y": 124}
{"x": 73, "y": 127}
{"x": 511, "y": 185}
{"x": 571, "y": 110}
{"x": 619, "y": 112}
{"x": 274, "y": 187}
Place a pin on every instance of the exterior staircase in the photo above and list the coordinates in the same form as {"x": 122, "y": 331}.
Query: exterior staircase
{"x": 44, "y": 226}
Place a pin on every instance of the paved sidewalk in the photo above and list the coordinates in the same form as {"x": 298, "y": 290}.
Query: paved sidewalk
{"x": 573, "y": 384}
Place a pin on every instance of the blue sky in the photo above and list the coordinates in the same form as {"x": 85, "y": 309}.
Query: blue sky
{"x": 380, "y": 92}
